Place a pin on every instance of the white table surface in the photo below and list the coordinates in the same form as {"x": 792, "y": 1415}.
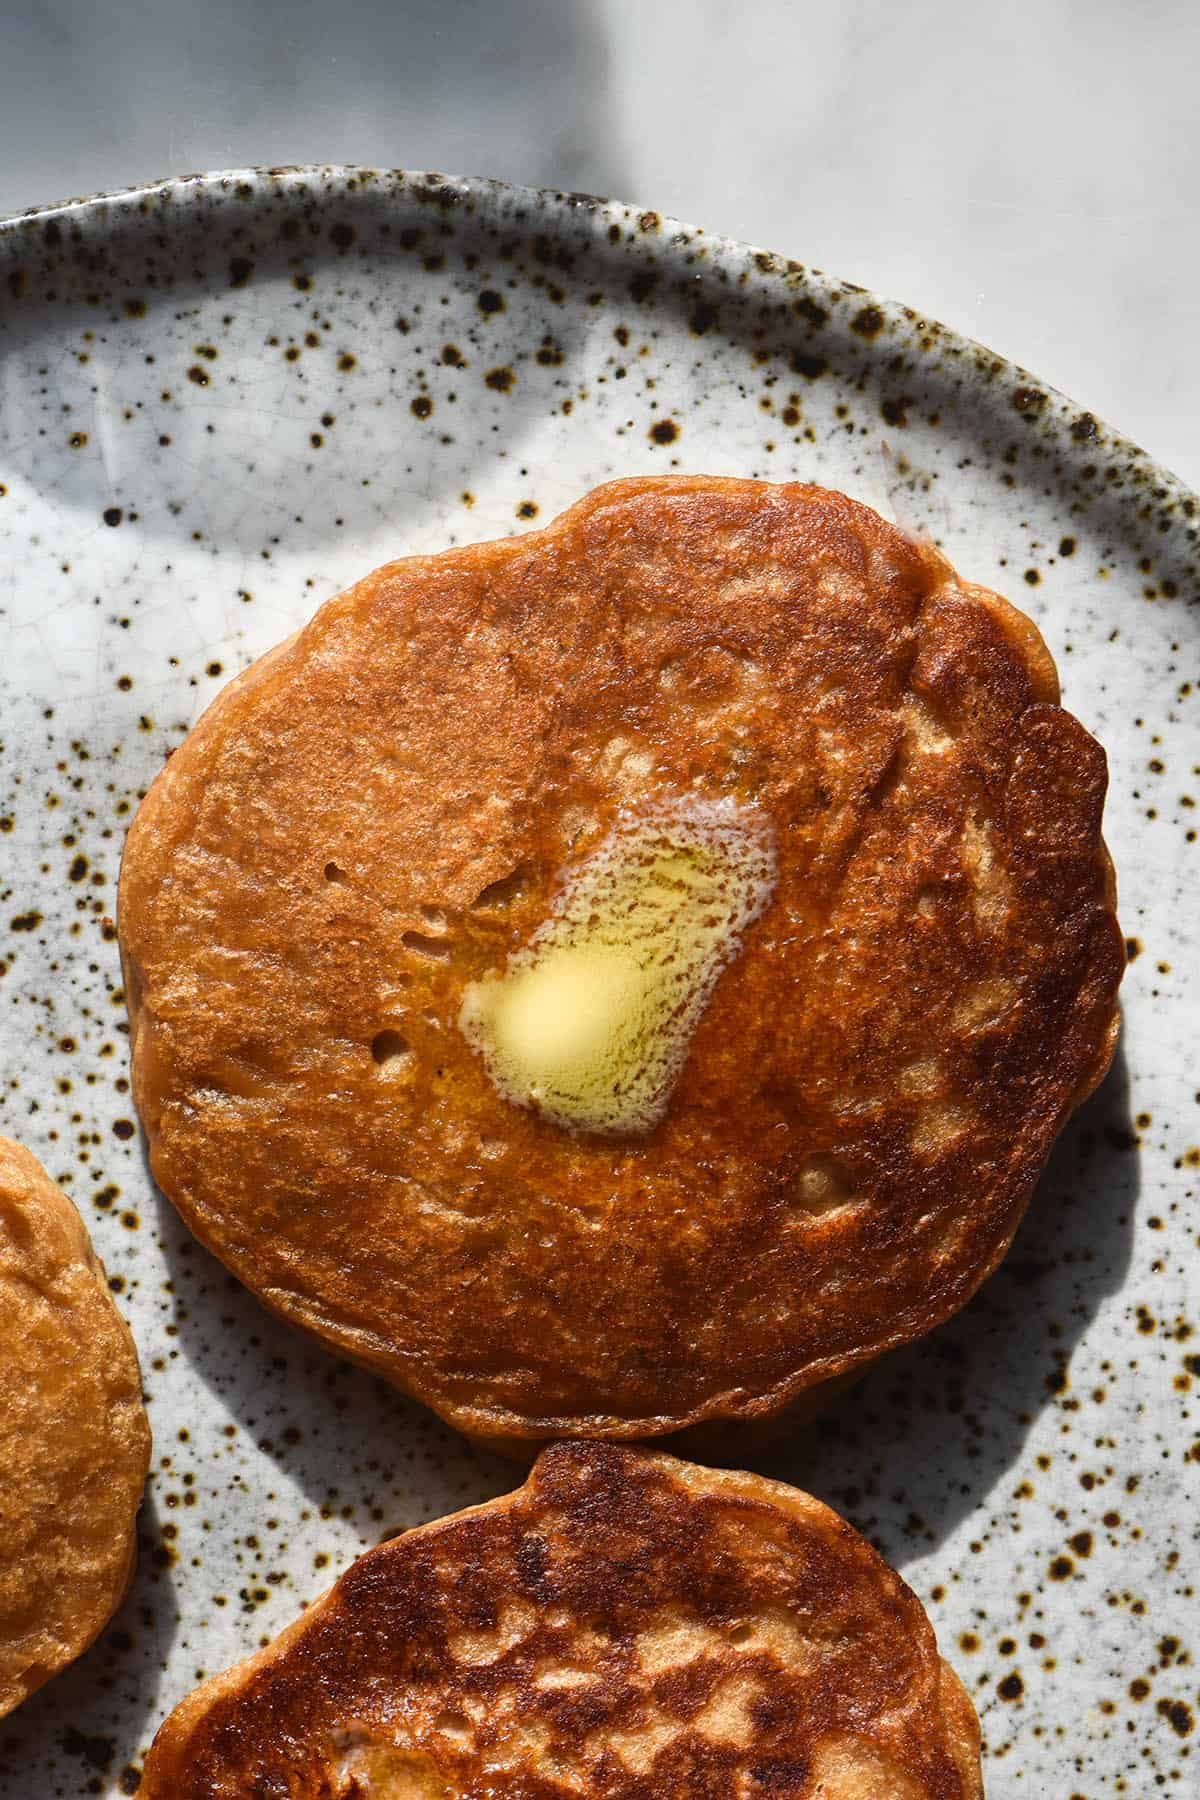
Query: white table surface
{"x": 1028, "y": 172}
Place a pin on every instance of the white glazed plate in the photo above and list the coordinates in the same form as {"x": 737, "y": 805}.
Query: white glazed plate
{"x": 224, "y": 399}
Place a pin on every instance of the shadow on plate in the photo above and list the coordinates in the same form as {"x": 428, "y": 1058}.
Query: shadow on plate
{"x": 932, "y": 1430}
{"x": 356, "y": 1446}
{"x": 906, "y": 1454}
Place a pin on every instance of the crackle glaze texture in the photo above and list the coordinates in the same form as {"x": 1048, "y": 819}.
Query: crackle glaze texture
{"x": 222, "y": 401}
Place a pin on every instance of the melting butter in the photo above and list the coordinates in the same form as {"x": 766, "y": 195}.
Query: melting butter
{"x": 591, "y": 1020}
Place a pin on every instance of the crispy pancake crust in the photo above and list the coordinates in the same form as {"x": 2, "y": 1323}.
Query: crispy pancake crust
{"x": 623, "y": 1625}
{"x": 378, "y": 812}
{"x": 74, "y": 1442}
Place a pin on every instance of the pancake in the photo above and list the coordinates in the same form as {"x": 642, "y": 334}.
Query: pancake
{"x": 624, "y": 1624}
{"x": 392, "y": 916}
{"x": 74, "y": 1442}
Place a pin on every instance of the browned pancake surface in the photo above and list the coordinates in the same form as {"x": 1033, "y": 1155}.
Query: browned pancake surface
{"x": 379, "y": 812}
{"x": 624, "y": 1625}
{"x": 74, "y": 1442}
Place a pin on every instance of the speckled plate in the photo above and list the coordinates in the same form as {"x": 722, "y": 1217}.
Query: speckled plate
{"x": 223, "y": 399}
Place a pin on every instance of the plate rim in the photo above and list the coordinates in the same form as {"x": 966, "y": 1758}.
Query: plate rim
{"x": 1073, "y": 429}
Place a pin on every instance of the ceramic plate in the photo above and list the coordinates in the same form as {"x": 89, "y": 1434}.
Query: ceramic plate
{"x": 222, "y": 400}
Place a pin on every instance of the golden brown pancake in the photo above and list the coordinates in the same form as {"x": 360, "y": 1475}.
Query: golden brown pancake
{"x": 74, "y": 1442}
{"x": 378, "y": 820}
{"x": 623, "y": 1625}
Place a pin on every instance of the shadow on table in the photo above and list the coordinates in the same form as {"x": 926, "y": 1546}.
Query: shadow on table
{"x": 516, "y": 88}
{"x": 230, "y": 454}
{"x": 934, "y": 1427}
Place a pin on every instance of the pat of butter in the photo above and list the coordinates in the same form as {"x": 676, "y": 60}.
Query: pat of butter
{"x": 559, "y": 1020}
{"x": 591, "y": 1021}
